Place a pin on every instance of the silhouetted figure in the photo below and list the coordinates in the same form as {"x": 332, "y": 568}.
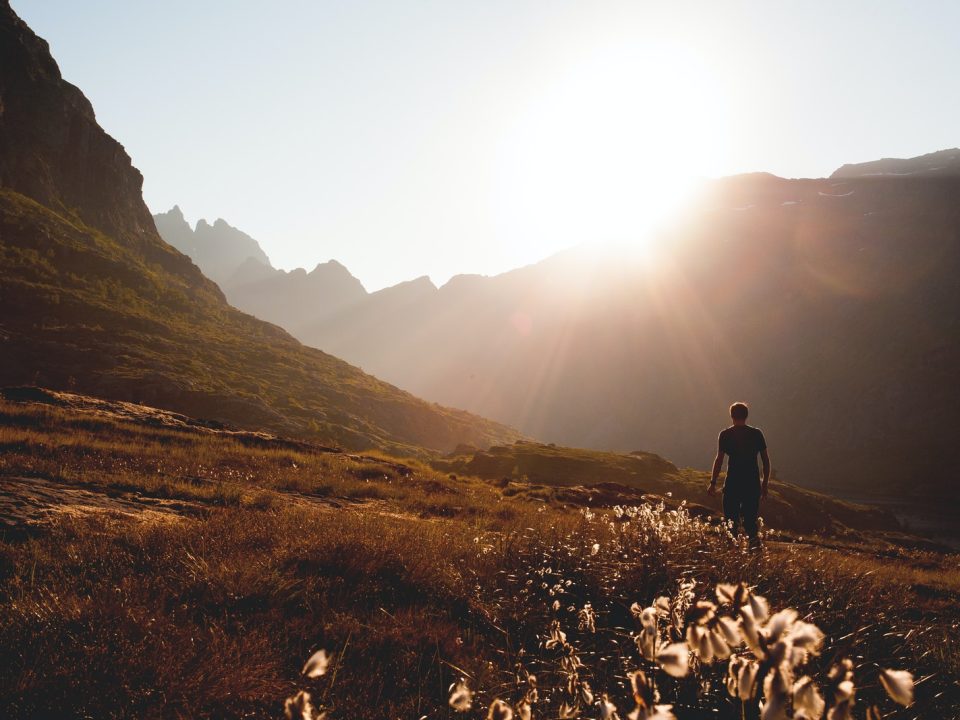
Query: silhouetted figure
{"x": 743, "y": 488}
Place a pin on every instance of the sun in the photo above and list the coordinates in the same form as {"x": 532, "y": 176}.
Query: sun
{"x": 613, "y": 146}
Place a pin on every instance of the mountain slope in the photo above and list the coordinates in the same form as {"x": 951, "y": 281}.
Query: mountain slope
{"x": 295, "y": 298}
{"x": 833, "y": 306}
{"x": 94, "y": 299}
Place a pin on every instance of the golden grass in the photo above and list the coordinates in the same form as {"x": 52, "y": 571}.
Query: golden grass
{"x": 414, "y": 582}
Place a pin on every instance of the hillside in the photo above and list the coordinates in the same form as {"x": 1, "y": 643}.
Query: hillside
{"x": 943, "y": 163}
{"x": 94, "y": 299}
{"x": 159, "y": 566}
{"x": 831, "y": 306}
{"x": 605, "y": 479}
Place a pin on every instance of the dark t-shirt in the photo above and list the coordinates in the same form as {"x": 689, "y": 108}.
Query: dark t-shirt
{"x": 742, "y": 444}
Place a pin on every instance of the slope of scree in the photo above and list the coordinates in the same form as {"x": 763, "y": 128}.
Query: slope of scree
{"x": 94, "y": 299}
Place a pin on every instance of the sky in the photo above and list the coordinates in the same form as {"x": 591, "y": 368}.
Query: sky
{"x": 436, "y": 137}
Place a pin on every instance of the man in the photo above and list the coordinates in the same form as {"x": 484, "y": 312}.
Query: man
{"x": 743, "y": 488}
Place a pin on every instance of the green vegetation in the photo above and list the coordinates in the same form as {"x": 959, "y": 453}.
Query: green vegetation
{"x": 84, "y": 311}
{"x": 410, "y": 579}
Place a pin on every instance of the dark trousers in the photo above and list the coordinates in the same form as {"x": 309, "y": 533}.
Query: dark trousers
{"x": 742, "y": 500}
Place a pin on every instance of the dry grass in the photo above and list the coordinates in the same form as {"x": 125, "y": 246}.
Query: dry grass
{"x": 432, "y": 580}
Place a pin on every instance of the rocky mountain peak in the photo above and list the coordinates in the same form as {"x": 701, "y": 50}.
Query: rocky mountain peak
{"x": 53, "y": 151}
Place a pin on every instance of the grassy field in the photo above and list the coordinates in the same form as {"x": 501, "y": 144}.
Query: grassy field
{"x": 252, "y": 552}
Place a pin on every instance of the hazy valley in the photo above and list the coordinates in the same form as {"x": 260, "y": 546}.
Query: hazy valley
{"x": 831, "y": 304}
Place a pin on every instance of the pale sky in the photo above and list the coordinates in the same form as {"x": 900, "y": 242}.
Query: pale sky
{"x": 441, "y": 137}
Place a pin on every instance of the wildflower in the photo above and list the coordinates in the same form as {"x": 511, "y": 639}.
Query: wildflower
{"x": 523, "y": 710}
{"x": 608, "y": 711}
{"x": 776, "y": 695}
{"x": 759, "y": 607}
{"x": 461, "y": 698}
{"x": 499, "y": 710}
{"x": 657, "y": 712}
{"x": 725, "y": 593}
{"x": 730, "y": 631}
{"x": 674, "y": 659}
{"x": 586, "y": 693}
{"x": 806, "y": 635}
{"x": 751, "y": 630}
{"x": 841, "y": 690}
{"x": 661, "y": 712}
{"x": 698, "y": 638}
{"x": 898, "y": 684}
{"x": 807, "y": 702}
{"x": 742, "y": 677}
{"x": 779, "y": 624}
{"x": 703, "y": 612}
{"x": 532, "y": 695}
{"x": 558, "y": 638}
{"x": 587, "y": 619}
{"x": 299, "y": 707}
{"x": 317, "y": 664}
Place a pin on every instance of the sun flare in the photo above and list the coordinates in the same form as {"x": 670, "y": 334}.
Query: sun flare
{"x": 614, "y": 146}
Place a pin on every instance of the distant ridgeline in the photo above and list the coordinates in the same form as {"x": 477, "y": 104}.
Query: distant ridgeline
{"x": 92, "y": 298}
{"x": 831, "y": 305}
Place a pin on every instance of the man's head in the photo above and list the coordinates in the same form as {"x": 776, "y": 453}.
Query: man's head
{"x": 739, "y": 412}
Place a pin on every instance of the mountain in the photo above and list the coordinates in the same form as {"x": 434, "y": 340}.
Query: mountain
{"x": 218, "y": 249}
{"x": 831, "y": 305}
{"x": 943, "y": 163}
{"x": 94, "y": 299}
{"x": 293, "y": 298}
{"x": 243, "y": 271}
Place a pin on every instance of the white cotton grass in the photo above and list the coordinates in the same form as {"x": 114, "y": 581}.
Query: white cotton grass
{"x": 300, "y": 707}
{"x": 524, "y": 711}
{"x": 724, "y": 638}
{"x": 899, "y": 685}
{"x": 607, "y": 710}
{"x": 317, "y": 664}
{"x": 674, "y": 659}
{"x": 461, "y": 697}
{"x": 808, "y": 703}
{"x": 499, "y": 710}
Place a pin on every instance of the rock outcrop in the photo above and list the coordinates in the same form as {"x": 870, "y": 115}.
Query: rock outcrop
{"x": 53, "y": 150}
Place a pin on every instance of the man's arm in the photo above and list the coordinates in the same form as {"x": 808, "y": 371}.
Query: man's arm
{"x": 765, "y": 459}
{"x": 717, "y": 467}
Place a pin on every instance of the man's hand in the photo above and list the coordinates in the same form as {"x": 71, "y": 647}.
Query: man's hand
{"x": 763, "y": 491}
{"x": 712, "y": 489}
